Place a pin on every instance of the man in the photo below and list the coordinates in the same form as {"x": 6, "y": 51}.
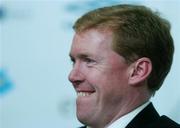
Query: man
{"x": 121, "y": 56}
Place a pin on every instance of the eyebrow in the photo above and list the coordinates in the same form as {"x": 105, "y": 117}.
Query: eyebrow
{"x": 80, "y": 56}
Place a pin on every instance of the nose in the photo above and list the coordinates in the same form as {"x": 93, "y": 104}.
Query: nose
{"x": 76, "y": 76}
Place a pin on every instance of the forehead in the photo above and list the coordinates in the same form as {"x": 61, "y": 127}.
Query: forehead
{"x": 92, "y": 40}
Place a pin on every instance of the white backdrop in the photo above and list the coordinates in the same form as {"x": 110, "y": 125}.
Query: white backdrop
{"x": 35, "y": 38}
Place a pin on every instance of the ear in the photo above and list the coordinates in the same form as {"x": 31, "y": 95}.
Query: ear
{"x": 140, "y": 71}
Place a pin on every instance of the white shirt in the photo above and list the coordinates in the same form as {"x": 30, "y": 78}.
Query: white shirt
{"x": 126, "y": 119}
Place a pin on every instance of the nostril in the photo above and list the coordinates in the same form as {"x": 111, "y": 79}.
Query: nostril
{"x": 77, "y": 82}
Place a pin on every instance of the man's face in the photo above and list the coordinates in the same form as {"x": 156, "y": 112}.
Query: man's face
{"x": 99, "y": 76}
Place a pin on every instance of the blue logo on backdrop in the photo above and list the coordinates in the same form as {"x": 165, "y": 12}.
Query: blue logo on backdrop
{"x": 5, "y": 82}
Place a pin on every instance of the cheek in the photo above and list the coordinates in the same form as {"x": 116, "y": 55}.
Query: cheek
{"x": 107, "y": 81}
{"x": 95, "y": 77}
{"x": 112, "y": 84}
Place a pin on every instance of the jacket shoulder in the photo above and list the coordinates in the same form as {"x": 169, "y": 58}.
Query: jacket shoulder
{"x": 165, "y": 122}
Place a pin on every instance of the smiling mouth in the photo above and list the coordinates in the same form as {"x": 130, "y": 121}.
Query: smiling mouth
{"x": 84, "y": 94}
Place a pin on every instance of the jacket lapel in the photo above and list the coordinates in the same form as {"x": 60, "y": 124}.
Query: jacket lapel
{"x": 146, "y": 117}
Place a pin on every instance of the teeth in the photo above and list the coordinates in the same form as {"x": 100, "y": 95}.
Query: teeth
{"x": 83, "y": 94}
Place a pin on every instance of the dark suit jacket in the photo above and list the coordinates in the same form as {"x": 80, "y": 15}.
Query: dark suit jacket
{"x": 149, "y": 118}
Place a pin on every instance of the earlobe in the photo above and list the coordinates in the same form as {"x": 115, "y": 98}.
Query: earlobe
{"x": 140, "y": 71}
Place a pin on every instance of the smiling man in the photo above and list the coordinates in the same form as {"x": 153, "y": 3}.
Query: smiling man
{"x": 121, "y": 56}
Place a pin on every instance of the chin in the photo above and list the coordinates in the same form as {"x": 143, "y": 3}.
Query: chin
{"x": 84, "y": 120}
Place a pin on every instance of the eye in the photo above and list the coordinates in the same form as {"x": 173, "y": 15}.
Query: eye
{"x": 89, "y": 61}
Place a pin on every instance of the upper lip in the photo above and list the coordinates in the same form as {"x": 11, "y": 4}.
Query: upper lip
{"x": 85, "y": 90}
